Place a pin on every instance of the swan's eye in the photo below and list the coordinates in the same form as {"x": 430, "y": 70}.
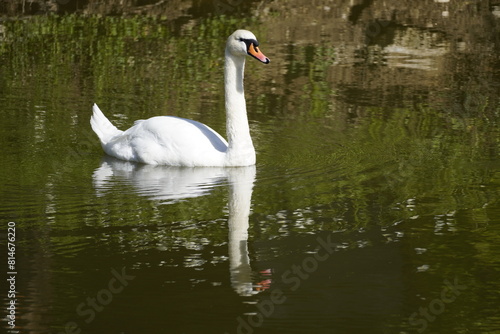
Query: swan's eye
{"x": 248, "y": 41}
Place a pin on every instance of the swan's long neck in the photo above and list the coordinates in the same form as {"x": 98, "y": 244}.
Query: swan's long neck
{"x": 238, "y": 132}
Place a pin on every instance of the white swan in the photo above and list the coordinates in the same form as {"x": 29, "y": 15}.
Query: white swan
{"x": 174, "y": 141}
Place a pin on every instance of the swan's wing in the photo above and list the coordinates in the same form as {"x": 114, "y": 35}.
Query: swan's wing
{"x": 219, "y": 143}
{"x": 172, "y": 141}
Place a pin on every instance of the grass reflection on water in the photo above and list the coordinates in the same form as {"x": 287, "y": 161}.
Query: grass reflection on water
{"x": 397, "y": 165}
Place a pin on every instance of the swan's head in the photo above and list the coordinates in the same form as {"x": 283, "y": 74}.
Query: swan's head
{"x": 242, "y": 43}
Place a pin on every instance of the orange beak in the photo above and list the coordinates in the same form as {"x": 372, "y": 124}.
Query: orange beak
{"x": 257, "y": 54}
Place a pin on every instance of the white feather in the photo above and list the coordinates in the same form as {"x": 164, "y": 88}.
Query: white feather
{"x": 174, "y": 141}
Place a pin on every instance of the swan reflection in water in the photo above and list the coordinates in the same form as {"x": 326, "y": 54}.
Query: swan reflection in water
{"x": 171, "y": 184}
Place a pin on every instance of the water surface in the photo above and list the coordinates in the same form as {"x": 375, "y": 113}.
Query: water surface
{"x": 373, "y": 207}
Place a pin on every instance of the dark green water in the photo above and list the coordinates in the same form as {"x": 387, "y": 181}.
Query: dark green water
{"x": 373, "y": 207}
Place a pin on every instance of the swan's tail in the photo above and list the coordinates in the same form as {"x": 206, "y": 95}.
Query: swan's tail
{"x": 102, "y": 126}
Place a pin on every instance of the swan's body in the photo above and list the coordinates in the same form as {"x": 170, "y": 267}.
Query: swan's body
{"x": 168, "y": 140}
